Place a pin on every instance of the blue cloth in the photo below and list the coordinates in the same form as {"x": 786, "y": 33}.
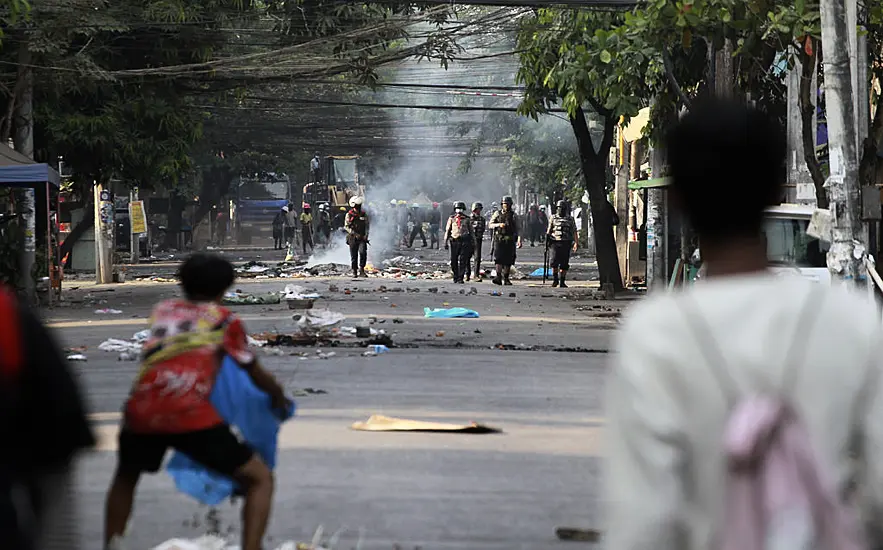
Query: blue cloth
{"x": 538, "y": 272}
{"x": 241, "y": 404}
{"x": 449, "y": 313}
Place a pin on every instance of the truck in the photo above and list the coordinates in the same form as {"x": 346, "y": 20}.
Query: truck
{"x": 258, "y": 200}
{"x": 338, "y": 183}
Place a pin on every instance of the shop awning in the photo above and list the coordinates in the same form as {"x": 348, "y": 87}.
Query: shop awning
{"x": 649, "y": 184}
{"x": 17, "y": 170}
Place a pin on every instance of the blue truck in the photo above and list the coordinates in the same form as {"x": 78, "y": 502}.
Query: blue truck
{"x": 258, "y": 200}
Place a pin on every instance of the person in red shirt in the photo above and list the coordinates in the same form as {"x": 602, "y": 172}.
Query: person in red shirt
{"x": 169, "y": 404}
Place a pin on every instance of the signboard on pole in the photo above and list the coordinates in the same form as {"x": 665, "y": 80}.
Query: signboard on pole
{"x": 137, "y": 217}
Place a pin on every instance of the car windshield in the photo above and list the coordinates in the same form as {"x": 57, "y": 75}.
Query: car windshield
{"x": 788, "y": 244}
{"x": 263, "y": 190}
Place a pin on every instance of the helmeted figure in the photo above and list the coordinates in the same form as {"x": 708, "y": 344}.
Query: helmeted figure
{"x": 561, "y": 238}
{"x": 306, "y": 227}
{"x": 356, "y": 227}
{"x": 324, "y": 224}
{"x": 504, "y": 223}
{"x": 415, "y": 220}
{"x": 479, "y": 226}
{"x": 434, "y": 219}
{"x": 458, "y": 237}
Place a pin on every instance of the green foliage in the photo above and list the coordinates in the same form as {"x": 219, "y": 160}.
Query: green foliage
{"x": 579, "y": 57}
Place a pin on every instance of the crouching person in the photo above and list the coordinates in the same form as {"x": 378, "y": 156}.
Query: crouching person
{"x": 169, "y": 405}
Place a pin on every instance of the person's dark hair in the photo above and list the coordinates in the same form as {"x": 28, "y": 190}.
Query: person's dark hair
{"x": 727, "y": 164}
{"x": 205, "y": 277}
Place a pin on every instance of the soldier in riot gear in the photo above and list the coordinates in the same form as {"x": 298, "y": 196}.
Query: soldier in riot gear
{"x": 458, "y": 234}
{"x": 561, "y": 238}
{"x": 356, "y": 226}
{"x": 479, "y": 224}
{"x": 504, "y": 223}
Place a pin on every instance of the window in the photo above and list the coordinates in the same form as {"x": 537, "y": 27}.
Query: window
{"x": 789, "y": 245}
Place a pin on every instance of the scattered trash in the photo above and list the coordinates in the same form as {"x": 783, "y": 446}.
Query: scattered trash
{"x": 578, "y": 535}
{"x": 241, "y": 299}
{"x": 107, "y": 311}
{"x": 71, "y": 351}
{"x": 538, "y": 272}
{"x": 141, "y": 336}
{"x": 77, "y": 357}
{"x": 379, "y": 349}
{"x": 295, "y": 292}
{"x": 303, "y": 392}
{"x": 273, "y": 351}
{"x": 379, "y": 423}
{"x": 363, "y": 332}
{"x": 398, "y": 321}
{"x": 318, "y": 320}
{"x": 496, "y": 293}
{"x": 451, "y": 313}
{"x": 381, "y": 339}
{"x": 512, "y": 295}
{"x": 440, "y": 334}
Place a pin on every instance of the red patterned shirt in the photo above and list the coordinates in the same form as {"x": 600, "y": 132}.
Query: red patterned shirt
{"x": 180, "y": 362}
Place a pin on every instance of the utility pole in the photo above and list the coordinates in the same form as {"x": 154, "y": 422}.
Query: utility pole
{"x": 656, "y": 226}
{"x": 845, "y": 258}
{"x": 103, "y": 235}
{"x": 23, "y": 117}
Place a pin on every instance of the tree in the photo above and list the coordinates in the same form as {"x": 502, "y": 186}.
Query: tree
{"x": 572, "y": 57}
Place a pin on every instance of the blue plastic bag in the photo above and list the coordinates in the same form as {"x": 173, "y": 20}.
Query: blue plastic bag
{"x": 538, "y": 272}
{"x": 241, "y": 404}
{"x": 451, "y": 313}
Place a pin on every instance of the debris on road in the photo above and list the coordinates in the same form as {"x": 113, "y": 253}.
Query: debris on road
{"x": 450, "y": 313}
{"x": 380, "y": 423}
{"x": 107, "y": 311}
{"x": 538, "y": 272}
{"x": 440, "y": 334}
{"x": 315, "y": 321}
{"x": 398, "y": 321}
{"x": 578, "y": 535}
{"x": 77, "y": 357}
{"x": 241, "y": 299}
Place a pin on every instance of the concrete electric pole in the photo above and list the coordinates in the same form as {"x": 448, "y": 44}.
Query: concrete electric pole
{"x": 845, "y": 258}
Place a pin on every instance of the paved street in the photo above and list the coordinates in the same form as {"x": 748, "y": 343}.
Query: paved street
{"x": 504, "y": 491}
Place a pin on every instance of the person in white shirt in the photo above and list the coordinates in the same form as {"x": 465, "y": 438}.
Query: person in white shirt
{"x": 667, "y": 407}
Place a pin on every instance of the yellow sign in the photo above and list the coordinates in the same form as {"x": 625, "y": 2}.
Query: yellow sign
{"x": 137, "y": 217}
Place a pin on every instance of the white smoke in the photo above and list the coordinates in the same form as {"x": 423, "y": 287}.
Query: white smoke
{"x": 337, "y": 252}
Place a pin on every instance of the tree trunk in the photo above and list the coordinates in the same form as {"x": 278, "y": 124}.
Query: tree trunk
{"x": 594, "y": 174}
{"x": 215, "y": 184}
{"x": 77, "y": 232}
{"x": 23, "y": 118}
{"x": 808, "y": 128}
{"x": 725, "y": 75}
{"x": 870, "y": 147}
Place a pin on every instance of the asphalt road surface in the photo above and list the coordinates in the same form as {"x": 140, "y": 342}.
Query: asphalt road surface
{"x": 446, "y": 491}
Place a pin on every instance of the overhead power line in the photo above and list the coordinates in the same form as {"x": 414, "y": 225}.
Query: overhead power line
{"x": 603, "y": 4}
{"x": 300, "y": 101}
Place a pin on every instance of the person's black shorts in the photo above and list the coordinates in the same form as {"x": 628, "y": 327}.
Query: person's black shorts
{"x": 559, "y": 254}
{"x": 216, "y": 448}
{"x": 504, "y": 253}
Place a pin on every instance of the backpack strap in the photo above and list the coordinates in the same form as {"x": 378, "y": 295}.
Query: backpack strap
{"x": 795, "y": 356}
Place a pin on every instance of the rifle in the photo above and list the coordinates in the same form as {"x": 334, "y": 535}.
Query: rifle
{"x": 546, "y": 261}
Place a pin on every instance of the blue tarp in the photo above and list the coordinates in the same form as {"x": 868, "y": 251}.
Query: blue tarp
{"x": 454, "y": 312}
{"x": 25, "y": 175}
{"x": 244, "y": 406}
{"x": 538, "y": 272}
